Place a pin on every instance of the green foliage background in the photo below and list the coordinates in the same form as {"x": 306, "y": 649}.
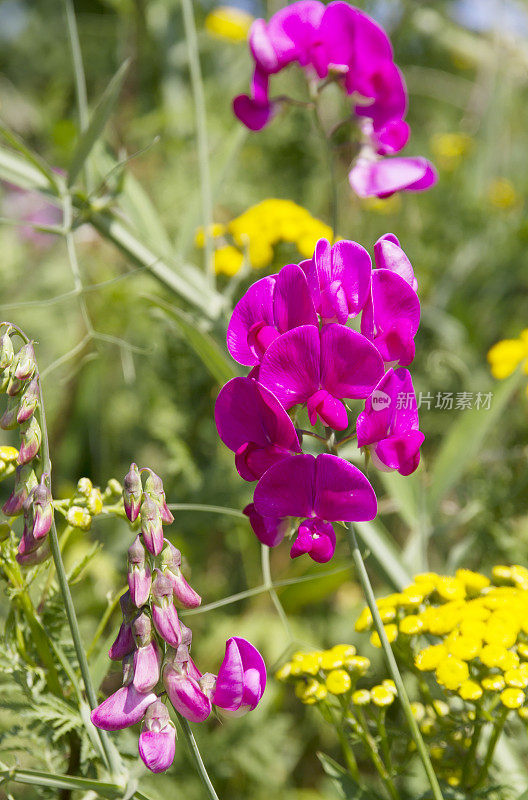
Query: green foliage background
{"x": 151, "y": 399}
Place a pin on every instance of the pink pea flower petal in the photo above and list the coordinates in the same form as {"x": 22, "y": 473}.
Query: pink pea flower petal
{"x": 254, "y": 309}
{"x": 125, "y": 707}
{"x": 350, "y": 365}
{"x": 241, "y": 678}
{"x": 268, "y": 530}
{"x": 391, "y": 317}
{"x": 317, "y": 539}
{"x": 186, "y": 695}
{"x": 388, "y": 254}
{"x": 381, "y": 178}
{"x": 157, "y": 748}
{"x": 147, "y": 662}
{"x": 339, "y": 279}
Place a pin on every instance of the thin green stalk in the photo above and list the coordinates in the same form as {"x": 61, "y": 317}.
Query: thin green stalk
{"x": 51, "y": 780}
{"x": 360, "y": 726}
{"x": 268, "y": 583}
{"x": 348, "y": 752}
{"x": 334, "y": 204}
{"x": 109, "y": 751}
{"x": 384, "y": 739}
{"x": 201, "y": 132}
{"x": 79, "y": 76}
{"x": 74, "y": 264}
{"x": 492, "y": 744}
{"x": 391, "y": 662}
{"x": 231, "y": 512}
{"x": 471, "y": 753}
{"x": 197, "y": 758}
{"x": 104, "y": 619}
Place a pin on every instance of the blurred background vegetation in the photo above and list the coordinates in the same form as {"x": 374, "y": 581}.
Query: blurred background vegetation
{"x": 148, "y": 398}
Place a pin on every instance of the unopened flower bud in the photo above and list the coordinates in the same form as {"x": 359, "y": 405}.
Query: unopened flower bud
{"x": 8, "y": 420}
{"x": 123, "y": 643}
{"x": 25, "y": 481}
{"x": 154, "y": 489}
{"x": 186, "y": 634}
{"x": 25, "y": 362}
{"x": 151, "y": 526}
{"x": 157, "y": 740}
{"x": 142, "y": 630}
{"x": 170, "y": 556}
{"x": 84, "y": 486}
{"x": 6, "y": 351}
{"x": 164, "y": 614}
{"x": 34, "y": 557}
{"x": 147, "y": 664}
{"x": 132, "y": 493}
{"x": 31, "y": 436}
{"x": 128, "y": 609}
{"x": 94, "y": 502}
{"x": 14, "y": 385}
{"x": 138, "y": 574}
{"x": 186, "y": 694}
{"x": 79, "y": 517}
{"x": 42, "y": 509}
{"x": 184, "y": 595}
{"x": 29, "y": 401}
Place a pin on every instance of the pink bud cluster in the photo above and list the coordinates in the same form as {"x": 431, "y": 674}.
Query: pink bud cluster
{"x": 19, "y": 380}
{"x": 155, "y": 646}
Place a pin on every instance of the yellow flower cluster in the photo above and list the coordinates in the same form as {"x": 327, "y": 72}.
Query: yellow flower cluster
{"x": 8, "y": 460}
{"x": 505, "y": 356}
{"x": 477, "y": 631}
{"x": 450, "y": 148}
{"x": 503, "y": 194}
{"x": 258, "y": 230}
{"x": 228, "y": 22}
{"x": 319, "y": 673}
{"x": 88, "y": 502}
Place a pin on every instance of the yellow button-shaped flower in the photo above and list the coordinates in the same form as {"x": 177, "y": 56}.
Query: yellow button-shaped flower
{"x": 391, "y": 632}
{"x": 381, "y": 695}
{"x": 411, "y": 625}
{"x": 361, "y": 697}
{"x": 429, "y": 658}
{"x": 470, "y": 690}
{"x": 338, "y": 681}
{"x": 512, "y": 698}
{"x": 452, "y": 672}
{"x": 493, "y": 683}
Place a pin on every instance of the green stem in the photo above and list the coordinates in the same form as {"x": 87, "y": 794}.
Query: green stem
{"x": 471, "y": 753}
{"x": 362, "y": 730}
{"x": 110, "y": 752}
{"x": 348, "y": 752}
{"x": 494, "y": 738}
{"x": 391, "y": 663}
{"x": 334, "y": 204}
{"x": 268, "y": 584}
{"x": 231, "y": 512}
{"x": 201, "y": 132}
{"x": 197, "y": 758}
{"x": 50, "y": 780}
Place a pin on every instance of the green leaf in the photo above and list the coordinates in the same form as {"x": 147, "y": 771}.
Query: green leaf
{"x": 22, "y": 173}
{"x": 345, "y": 784}
{"x": 464, "y": 441}
{"x": 31, "y": 157}
{"x": 98, "y": 120}
{"x": 213, "y": 358}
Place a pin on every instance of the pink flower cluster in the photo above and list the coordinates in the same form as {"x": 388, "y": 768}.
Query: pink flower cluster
{"x": 291, "y": 329}
{"x": 340, "y": 42}
{"x": 154, "y": 645}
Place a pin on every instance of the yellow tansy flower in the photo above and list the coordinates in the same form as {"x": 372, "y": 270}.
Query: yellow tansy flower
{"x": 361, "y": 697}
{"x": 504, "y": 358}
{"x": 452, "y": 672}
{"x": 470, "y": 690}
{"x": 391, "y": 632}
{"x": 428, "y": 659}
{"x": 381, "y": 696}
{"x": 338, "y": 681}
{"x": 502, "y": 193}
{"x": 228, "y": 22}
{"x": 512, "y": 698}
{"x": 449, "y": 148}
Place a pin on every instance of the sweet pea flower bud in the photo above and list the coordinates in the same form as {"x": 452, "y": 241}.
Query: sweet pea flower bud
{"x": 139, "y": 575}
{"x": 8, "y": 420}
{"x": 164, "y": 614}
{"x": 157, "y": 740}
{"x": 142, "y": 629}
{"x": 25, "y": 481}
{"x": 42, "y": 509}
{"x": 33, "y": 557}
{"x": 79, "y": 517}
{"x": 31, "y": 436}
{"x": 6, "y": 351}
{"x": 186, "y": 694}
{"x": 123, "y": 644}
{"x": 25, "y": 362}
{"x": 186, "y": 635}
{"x": 125, "y": 707}
{"x": 14, "y": 385}
{"x": 132, "y": 493}
{"x": 154, "y": 489}
{"x": 241, "y": 678}
{"x": 184, "y": 595}
{"x": 29, "y": 401}
{"x": 151, "y": 526}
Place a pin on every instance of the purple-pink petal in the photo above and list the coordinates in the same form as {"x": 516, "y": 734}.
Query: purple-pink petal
{"x": 125, "y": 707}
{"x": 186, "y": 695}
{"x": 268, "y": 530}
{"x": 253, "y": 309}
{"x": 287, "y": 488}
{"x": 350, "y": 365}
{"x": 391, "y": 317}
{"x": 291, "y": 366}
{"x": 383, "y": 177}
{"x": 157, "y": 748}
{"x": 241, "y": 678}
{"x": 317, "y": 539}
{"x": 292, "y": 301}
{"x": 342, "y": 492}
{"x": 388, "y": 254}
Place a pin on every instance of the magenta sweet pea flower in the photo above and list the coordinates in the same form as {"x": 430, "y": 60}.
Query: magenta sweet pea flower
{"x": 268, "y": 530}
{"x": 391, "y": 317}
{"x": 315, "y": 538}
{"x": 255, "y": 110}
{"x": 157, "y": 740}
{"x": 320, "y": 368}
{"x": 253, "y": 424}
{"x": 370, "y": 177}
{"x": 339, "y": 279}
{"x": 388, "y": 254}
{"x": 389, "y": 424}
{"x": 123, "y": 708}
{"x": 241, "y": 678}
{"x": 270, "y": 307}
{"x": 326, "y": 487}
{"x": 289, "y": 36}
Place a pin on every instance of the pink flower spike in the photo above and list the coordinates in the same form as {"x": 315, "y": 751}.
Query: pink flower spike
{"x": 317, "y": 538}
{"x": 241, "y": 678}
{"x": 157, "y": 740}
{"x": 125, "y": 707}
